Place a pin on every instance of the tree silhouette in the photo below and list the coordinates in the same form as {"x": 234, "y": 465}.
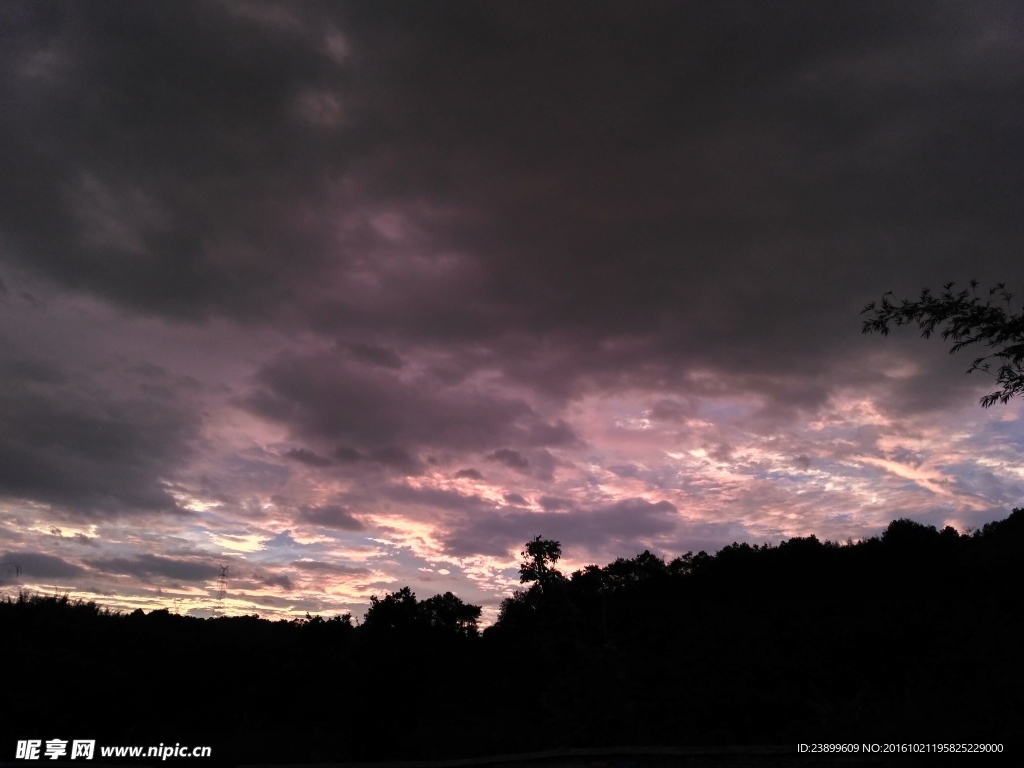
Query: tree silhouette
{"x": 541, "y": 556}
{"x": 913, "y": 633}
{"x": 401, "y": 613}
{"x": 448, "y": 614}
{"x": 967, "y": 321}
{"x": 546, "y": 600}
{"x": 395, "y": 612}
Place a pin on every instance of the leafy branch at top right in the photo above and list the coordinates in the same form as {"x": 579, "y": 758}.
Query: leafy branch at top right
{"x": 965, "y": 319}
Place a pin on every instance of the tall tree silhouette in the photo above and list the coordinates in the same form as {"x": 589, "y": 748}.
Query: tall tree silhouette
{"x": 539, "y": 565}
{"x": 967, "y": 321}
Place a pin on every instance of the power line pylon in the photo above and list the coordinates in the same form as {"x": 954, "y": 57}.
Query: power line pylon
{"x": 222, "y": 590}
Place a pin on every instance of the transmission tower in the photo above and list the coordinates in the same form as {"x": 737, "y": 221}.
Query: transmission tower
{"x": 222, "y": 590}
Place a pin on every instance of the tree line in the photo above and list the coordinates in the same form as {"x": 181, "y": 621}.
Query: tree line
{"x": 913, "y": 634}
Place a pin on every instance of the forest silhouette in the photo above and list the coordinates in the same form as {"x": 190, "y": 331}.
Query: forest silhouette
{"x": 913, "y": 635}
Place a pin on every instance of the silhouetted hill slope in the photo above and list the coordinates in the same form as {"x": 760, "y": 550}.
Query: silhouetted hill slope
{"x": 913, "y": 635}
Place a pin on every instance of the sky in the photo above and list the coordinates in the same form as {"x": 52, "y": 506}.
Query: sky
{"x": 351, "y": 296}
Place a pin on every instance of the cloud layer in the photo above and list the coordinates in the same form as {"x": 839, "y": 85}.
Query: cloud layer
{"x": 352, "y": 296}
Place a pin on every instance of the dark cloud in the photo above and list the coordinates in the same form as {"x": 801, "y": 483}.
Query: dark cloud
{"x": 578, "y": 199}
{"x": 511, "y": 459}
{"x": 626, "y": 523}
{"x": 554, "y": 503}
{"x": 554, "y": 435}
{"x": 670, "y": 410}
{"x": 380, "y": 417}
{"x": 318, "y": 566}
{"x": 439, "y": 498}
{"x": 307, "y": 457}
{"x": 331, "y": 516}
{"x": 626, "y": 470}
{"x": 42, "y": 566}
{"x": 544, "y": 463}
{"x": 371, "y": 355}
{"x": 31, "y": 300}
{"x": 145, "y": 566}
{"x": 30, "y": 370}
{"x": 470, "y": 474}
{"x": 148, "y": 370}
{"x": 279, "y": 580}
{"x": 938, "y": 383}
{"x": 88, "y": 452}
{"x": 347, "y": 454}
{"x": 388, "y": 457}
{"x": 396, "y": 458}
{"x": 131, "y": 197}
